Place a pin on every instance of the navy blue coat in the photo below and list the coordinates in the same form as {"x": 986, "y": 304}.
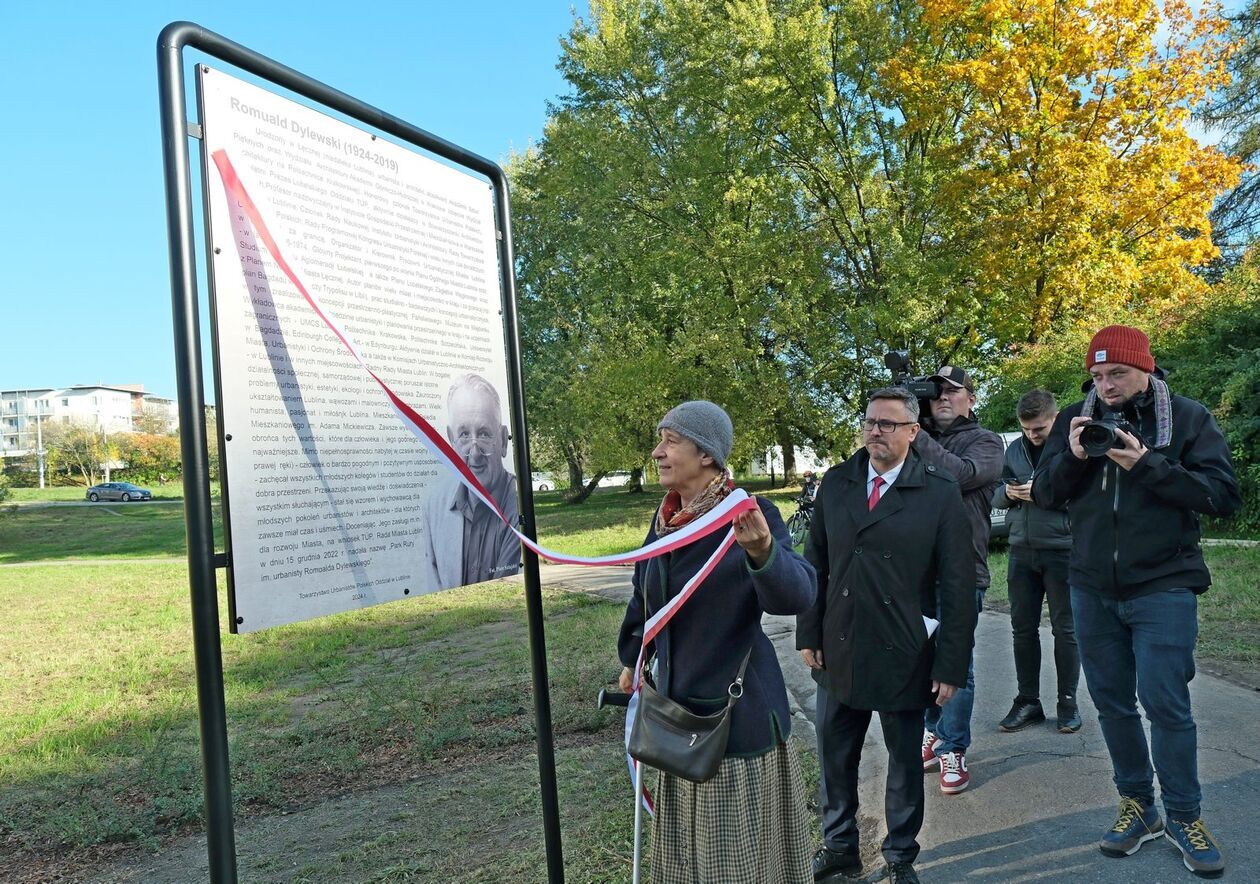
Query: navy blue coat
{"x": 700, "y": 650}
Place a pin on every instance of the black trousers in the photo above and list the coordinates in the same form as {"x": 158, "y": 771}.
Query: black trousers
{"x": 841, "y": 732}
{"x": 1034, "y": 575}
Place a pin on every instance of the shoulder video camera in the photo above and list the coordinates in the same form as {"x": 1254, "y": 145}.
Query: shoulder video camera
{"x": 1099, "y": 436}
{"x": 898, "y": 362}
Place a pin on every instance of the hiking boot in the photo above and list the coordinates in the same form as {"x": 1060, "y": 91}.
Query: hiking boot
{"x": 1023, "y": 713}
{"x": 1134, "y": 826}
{"x": 954, "y": 776}
{"x": 929, "y": 757}
{"x": 1069, "y": 718}
{"x": 831, "y": 864}
{"x": 1199, "y": 850}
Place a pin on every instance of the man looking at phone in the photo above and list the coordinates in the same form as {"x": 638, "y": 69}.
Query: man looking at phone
{"x": 1136, "y": 465}
{"x": 1037, "y": 569}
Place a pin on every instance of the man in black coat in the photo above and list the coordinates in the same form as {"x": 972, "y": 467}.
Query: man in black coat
{"x": 1136, "y": 572}
{"x": 888, "y": 528}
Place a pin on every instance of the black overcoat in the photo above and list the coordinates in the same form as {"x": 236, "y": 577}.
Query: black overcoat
{"x": 877, "y": 577}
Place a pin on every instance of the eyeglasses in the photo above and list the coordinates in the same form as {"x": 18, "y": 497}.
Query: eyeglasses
{"x": 885, "y": 426}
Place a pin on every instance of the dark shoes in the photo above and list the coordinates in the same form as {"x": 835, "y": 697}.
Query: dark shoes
{"x": 900, "y": 873}
{"x": 1023, "y": 713}
{"x": 1069, "y": 719}
{"x": 829, "y": 865}
{"x": 1029, "y": 712}
{"x": 1134, "y": 826}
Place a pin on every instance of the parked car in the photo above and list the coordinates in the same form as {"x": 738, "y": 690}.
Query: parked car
{"x": 997, "y": 518}
{"x": 615, "y": 479}
{"x": 542, "y": 481}
{"x": 123, "y": 491}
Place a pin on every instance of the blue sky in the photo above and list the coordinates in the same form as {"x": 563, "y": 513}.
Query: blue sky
{"x": 84, "y": 278}
{"x": 84, "y": 281}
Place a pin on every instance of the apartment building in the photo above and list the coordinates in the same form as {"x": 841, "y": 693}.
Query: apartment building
{"x": 122, "y": 408}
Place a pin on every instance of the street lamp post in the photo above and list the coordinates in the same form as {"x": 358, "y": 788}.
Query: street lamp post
{"x": 39, "y": 445}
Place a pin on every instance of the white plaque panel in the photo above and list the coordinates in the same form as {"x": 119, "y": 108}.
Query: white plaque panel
{"x": 332, "y": 501}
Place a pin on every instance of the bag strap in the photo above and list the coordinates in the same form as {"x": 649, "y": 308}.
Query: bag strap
{"x": 736, "y": 690}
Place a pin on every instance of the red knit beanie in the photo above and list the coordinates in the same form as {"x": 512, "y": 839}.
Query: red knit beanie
{"x": 1121, "y": 344}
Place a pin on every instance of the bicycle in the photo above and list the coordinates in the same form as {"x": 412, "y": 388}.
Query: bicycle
{"x": 798, "y": 524}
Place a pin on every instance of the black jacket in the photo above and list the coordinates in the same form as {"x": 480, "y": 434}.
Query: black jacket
{"x": 1136, "y": 532}
{"x": 877, "y": 577}
{"x": 973, "y": 456}
{"x": 699, "y": 651}
{"x": 1032, "y": 526}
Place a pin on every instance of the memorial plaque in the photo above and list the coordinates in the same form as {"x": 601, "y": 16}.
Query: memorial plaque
{"x": 334, "y": 504}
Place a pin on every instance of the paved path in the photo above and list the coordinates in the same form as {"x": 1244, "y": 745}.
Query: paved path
{"x": 46, "y": 504}
{"x": 1039, "y": 800}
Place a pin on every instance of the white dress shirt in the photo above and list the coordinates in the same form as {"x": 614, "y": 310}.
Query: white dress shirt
{"x": 888, "y": 477}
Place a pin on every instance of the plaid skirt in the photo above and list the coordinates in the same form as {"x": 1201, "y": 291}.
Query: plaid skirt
{"x": 747, "y": 825}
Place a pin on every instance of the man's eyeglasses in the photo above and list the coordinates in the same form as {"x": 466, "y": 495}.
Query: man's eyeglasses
{"x": 885, "y": 426}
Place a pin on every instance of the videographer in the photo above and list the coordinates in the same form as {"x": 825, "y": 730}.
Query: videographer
{"x": 1134, "y": 483}
{"x": 956, "y": 442}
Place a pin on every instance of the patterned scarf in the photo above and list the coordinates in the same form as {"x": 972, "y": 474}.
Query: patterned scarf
{"x": 1163, "y": 410}
{"x": 673, "y": 515}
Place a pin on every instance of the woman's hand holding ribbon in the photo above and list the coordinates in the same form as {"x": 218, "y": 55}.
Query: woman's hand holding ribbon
{"x": 752, "y": 532}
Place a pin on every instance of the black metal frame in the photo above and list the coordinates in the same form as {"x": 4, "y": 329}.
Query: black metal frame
{"x": 202, "y": 559}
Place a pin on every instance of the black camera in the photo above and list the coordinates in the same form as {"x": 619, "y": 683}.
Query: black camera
{"x": 898, "y": 362}
{"x": 1099, "y": 436}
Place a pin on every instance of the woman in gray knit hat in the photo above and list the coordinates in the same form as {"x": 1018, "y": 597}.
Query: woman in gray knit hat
{"x": 748, "y": 824}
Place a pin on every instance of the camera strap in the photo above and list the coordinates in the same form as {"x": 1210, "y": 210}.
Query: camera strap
{"x": 1163, "y": 411}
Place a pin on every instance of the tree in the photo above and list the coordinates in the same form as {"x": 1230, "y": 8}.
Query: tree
{"x": 78, "y": 447}
{"x": 154, "y": 421}
{"x": 750, "y": 201}
{"x": 1236, "y": 114}
{"x": 4, "y": 487}
{"x": 149, "y": 457}
{"x": 1074, "y": 184}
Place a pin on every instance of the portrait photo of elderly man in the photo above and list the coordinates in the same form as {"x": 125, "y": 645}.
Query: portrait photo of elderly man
{"x": 464, "y": 540}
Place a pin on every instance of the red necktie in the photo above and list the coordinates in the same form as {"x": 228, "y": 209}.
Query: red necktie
{"x": 874, "y": 498}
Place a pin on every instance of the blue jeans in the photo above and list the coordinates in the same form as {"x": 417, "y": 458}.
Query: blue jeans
{"x": 952, "y": 722}
{"x": 1143, "y": 649}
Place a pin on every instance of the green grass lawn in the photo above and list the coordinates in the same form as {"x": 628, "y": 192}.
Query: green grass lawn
{"x": 1229, "y": 612}
{"x": 103, "y": 530}
{"x": 169, "y": 491}
{"x": 99, "y": 734}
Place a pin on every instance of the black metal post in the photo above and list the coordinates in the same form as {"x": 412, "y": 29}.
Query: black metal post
{"x": 533, "y": 583}
{"x": 173, "y": 39}
{"x": 198, "y": 516}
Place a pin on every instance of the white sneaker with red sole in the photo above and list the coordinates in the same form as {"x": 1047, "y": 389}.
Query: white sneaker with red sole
{"x": 929, "y": 757}
{"x": 954, "y": 776}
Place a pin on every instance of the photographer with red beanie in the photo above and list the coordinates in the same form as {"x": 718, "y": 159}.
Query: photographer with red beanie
{"x": 1136, "y": 465}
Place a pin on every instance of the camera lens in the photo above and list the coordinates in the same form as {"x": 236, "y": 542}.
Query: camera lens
{"x": 1097, "y": 438}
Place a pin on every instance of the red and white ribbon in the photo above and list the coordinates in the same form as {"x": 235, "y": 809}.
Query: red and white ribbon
{"x": 735, "y": 503}
{"x": 432, "y": 439}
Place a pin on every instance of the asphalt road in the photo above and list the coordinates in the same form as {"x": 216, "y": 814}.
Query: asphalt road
{"x": 1039, "y": 800}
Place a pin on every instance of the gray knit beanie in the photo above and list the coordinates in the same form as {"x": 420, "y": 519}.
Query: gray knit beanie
{"x": 705, "y": 424}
